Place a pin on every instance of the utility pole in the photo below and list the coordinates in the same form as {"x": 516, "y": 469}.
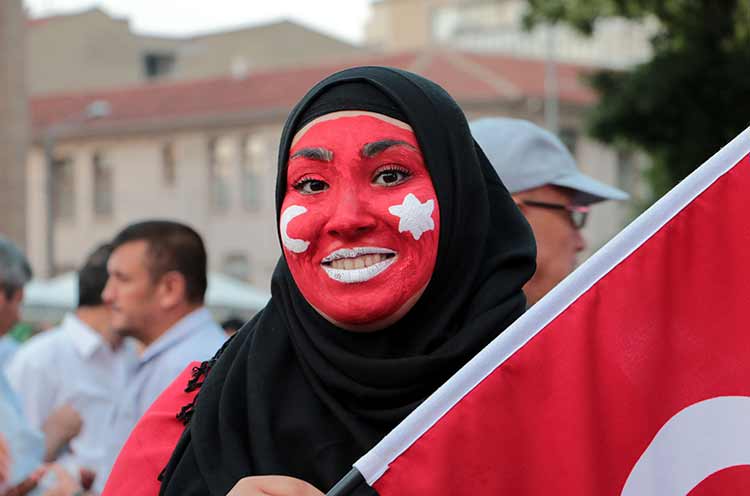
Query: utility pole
{"x": 551, "y": 92}
{"x": 14, "y": 121}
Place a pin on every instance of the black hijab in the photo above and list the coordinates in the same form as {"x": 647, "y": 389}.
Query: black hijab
{"x": 294, "y": 395}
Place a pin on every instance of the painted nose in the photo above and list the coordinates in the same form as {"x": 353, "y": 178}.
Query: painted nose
{"x": 350, "y": 218}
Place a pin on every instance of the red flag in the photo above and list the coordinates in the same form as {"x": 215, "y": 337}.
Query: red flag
{"x": 631, "y": 378}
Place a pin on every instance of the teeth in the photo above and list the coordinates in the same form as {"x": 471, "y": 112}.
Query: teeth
{"x": 360, "y": 262}
{"x": 356, "y": 252}
{"x": 337, "y": 272}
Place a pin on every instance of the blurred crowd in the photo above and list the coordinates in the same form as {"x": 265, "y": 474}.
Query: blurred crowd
{"x": 70, "y": 396}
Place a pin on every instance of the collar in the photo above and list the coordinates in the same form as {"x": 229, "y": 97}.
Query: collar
{"x": 85, "y": 339}
{"x": 183, "y": 328}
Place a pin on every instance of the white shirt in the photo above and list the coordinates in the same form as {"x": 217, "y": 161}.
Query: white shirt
{"x": 26, "y": 444}
{"x": 8, "y": 347}
{"x": 73, "y": 364}
{"x": 196, "y": 337}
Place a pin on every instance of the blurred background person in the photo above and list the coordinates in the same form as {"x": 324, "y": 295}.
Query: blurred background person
{"x": 156, "y": 287}
{"x": 81, "y": 364}
{"x": 22, "y": 447}
{"x": 541, "y": 174}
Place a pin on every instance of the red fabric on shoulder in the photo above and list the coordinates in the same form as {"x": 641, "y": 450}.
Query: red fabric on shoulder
{"x": 147, "y": 450}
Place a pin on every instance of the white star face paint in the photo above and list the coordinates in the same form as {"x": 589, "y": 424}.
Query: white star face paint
{"x": 414, "y": 216}
{"x": 291, "y": 244}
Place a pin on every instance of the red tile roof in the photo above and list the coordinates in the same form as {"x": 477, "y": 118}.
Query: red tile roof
{"x": 469, "y": 78}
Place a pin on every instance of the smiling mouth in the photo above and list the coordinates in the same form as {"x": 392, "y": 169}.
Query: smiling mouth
{"x": 353, "y": 265}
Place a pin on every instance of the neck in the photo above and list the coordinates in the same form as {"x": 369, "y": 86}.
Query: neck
{"x": 98, "y": 319}
{"x": 168, "y": 320}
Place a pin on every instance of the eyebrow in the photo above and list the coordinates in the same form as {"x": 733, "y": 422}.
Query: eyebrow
{"x": 372, "y": 149}
{"x": 320, "y": 154}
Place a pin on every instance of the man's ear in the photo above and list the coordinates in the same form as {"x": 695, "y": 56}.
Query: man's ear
{"x": 172, "y": 289}
{"x": 17, "y": 297}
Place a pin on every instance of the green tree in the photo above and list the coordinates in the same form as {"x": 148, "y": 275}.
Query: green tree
{"x": 689, "y": 100}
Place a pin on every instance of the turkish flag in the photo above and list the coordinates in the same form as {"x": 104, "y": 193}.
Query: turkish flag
{"x": 631, "y": 378}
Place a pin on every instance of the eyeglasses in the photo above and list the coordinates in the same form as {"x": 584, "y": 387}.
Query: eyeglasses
{"x": 577, "y": 213}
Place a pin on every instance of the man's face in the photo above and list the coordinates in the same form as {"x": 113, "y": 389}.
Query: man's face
{"x": 558, "y": 242}
{"x": 360, "y": 221}
{"x": 130, "y": 291}
{"x": 10, "y": 309}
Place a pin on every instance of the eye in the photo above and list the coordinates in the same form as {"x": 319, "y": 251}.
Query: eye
{"x": 391, "y": 175}
{"x": 309, "y": 186}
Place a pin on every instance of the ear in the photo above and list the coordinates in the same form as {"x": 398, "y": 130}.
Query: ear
{"x": 172, "y": 289}
{"x": 17, "y": 297}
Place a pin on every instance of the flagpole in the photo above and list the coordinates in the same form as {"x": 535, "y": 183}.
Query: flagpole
{"x": 347, "y": 484}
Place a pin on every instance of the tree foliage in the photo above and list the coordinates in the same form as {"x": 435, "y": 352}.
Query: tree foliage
{"x": 690, "y": 99}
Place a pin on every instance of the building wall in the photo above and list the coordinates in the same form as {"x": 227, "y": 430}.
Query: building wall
{"x": 140, "y": 192}
{"x": 81, "y": 52}
{"x": 91, "y": 50}
{"x": 496, "y": 26}
{"x": 14, "y": 122}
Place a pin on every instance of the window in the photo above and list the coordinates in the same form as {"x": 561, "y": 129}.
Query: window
{"x": 237, "y": 265}
{"x": 158, "y": 64}
{"x": 168, "y": 165}
{"x": 255, "y": 156}
{"x": 221, "y": 155}
{"x": 102, "y": 194}
{"x": 63, "y": 189}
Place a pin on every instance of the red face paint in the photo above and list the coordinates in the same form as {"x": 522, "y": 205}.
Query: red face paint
{"x": 360, "y": 220}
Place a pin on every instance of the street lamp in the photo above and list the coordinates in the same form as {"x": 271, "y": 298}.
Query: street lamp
{"x": 94, "y": 110}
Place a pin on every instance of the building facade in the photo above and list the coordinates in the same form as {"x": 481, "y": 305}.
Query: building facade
{"x": 91, "y": 50}
{"x": 205, "y": 153}
{"x": 497, "y": 26}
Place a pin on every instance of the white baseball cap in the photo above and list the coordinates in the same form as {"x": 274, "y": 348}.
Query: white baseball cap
{"x": 527, "y": 156}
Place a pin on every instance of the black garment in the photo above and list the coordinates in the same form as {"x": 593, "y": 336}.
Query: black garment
{"x": 294, "y": 395}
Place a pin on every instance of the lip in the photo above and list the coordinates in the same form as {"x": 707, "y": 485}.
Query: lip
{"x": 353, "y": 276}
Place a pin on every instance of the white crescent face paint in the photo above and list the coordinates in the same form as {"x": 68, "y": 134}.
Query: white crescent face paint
{"x": 292, "y": 244}
{"x": 698, "y": 441}
{"x": 414, "y": 216}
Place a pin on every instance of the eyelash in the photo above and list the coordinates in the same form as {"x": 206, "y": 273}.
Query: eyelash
{"x": 392, "y": 168}
{"x": 304, "y": 181}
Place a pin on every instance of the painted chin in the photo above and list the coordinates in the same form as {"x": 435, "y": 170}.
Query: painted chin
{"x": 358, "y": 265}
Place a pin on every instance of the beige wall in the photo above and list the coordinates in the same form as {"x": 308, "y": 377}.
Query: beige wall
{"x": 90, "y": 50}
{"x": 496, "y": 26}
{"x": 13, "y": 122}
{"x": 81, "y": 52}
{"x": 141, "y": 193}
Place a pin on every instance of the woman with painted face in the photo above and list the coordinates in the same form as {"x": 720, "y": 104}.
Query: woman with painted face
{"x": 403, "y": 256}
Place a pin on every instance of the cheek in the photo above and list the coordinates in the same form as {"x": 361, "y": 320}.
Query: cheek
{"x": 300, "y": 226}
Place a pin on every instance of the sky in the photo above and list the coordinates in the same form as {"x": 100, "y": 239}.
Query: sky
{"x": 341, "y": 18}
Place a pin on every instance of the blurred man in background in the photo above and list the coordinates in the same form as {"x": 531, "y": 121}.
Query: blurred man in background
{"x": 82, "y": 364}
{"x": 22, "y": 447}
{"x": 541, "y": 175}
{"x": 156, "y": 287}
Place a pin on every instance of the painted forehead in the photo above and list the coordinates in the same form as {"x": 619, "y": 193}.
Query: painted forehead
{"x": 340, "y": 117}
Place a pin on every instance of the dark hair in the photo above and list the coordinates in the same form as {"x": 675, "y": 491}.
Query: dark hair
{"x": 92, "y": 276}
{"x": 232, "y": 323}
{"x": 171, "y": 247}
{"x": 14, "y": 268}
